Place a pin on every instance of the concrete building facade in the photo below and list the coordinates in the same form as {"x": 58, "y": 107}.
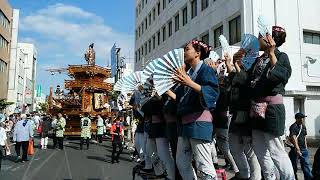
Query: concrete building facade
{"x": 28, "y": 56}
{"x": 16, "y": 68}
{"x": 5, "y": 39}
{"x": 162, "y": 25}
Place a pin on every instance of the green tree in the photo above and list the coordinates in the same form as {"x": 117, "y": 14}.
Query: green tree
{"x": 44, "y": 107}
{"x": 114, "y": 95}
{"x": 4, "y": 104}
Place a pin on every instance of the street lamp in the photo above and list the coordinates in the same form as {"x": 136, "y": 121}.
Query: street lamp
{"x": 311, "y": 60}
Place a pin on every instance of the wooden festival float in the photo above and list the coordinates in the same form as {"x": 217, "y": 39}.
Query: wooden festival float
{"x": 88, "y": 92}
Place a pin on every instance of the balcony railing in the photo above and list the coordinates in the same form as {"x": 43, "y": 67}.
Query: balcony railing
{"x": 69, "y": 84}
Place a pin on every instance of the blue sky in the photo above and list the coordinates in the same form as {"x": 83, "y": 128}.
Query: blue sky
{"x": 63, "y": 29}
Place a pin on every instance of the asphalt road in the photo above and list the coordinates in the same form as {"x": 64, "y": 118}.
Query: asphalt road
{"x": 75, "y": 164}
{"x": 70, "y": 163}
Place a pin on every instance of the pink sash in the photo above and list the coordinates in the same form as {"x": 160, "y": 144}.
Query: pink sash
{"x": 204, "y": 116}
{"x": 157, "y": 119}
{"x": 259, "y": 106}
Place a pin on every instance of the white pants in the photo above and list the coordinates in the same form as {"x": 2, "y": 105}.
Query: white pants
{"x": 243, "y": 154}
{"x": 44, "y": 142}
{"x": 201, "y": 151}
{"x": 223, "y": 144}
{"x": 271, "y": 153}
{"x": 214, "y": 153}
{"x": 133, "y": 134}
{"x": 140, "y": 145}
{"x": 165, "y": 156}
{"x": 152, "y": 157}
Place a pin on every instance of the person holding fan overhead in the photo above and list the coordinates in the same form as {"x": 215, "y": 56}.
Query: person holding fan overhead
{"x": 196, "y": 97}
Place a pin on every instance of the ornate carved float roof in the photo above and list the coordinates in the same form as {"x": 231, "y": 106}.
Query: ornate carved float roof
{"x": 88, "y": 70}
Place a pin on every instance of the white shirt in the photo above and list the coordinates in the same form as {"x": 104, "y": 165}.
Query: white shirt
{"x": 36, "y": 120}
{"x": 3, "y": 136}
{"x": 100, "y": 122}
{"x": 23, "y": 133}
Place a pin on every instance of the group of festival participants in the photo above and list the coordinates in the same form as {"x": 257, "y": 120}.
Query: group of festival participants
{"x": 243, "y": 111}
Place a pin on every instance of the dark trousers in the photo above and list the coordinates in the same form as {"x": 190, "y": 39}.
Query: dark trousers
{"x": 60, "y": 142}
{"x": 1, "y": 155}
{"x": 100, "y": 138}
{"x": 25, "y": 145}
{"x": 82, "y": 141}
{"x": 304, "y": 162}
{"x": 55, "y": 141}
{"x": 114, "y": 150}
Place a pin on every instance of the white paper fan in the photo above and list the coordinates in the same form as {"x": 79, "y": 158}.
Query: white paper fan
{"x": 163, "y": 86}
{"x": 250, "y": 44}
{"x": 174, "y": 58}
{"x": 165, "y": 69}
{"x": 149, "y": 69}
{"x": 224, "y": 44}
{"x": 212, "y": 57}
{"x": 131, "y": 82}
{"x": 264, "y": 26}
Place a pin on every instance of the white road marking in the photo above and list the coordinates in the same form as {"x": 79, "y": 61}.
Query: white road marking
{"x": 68, "y": 164}
{"x": 29, "y": 165}
{"x": 35, "y": 170}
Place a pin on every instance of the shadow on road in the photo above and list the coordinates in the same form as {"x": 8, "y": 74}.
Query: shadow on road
{"x": 72, "y": 147}
{"x": 120, "y": 158}
{"x": 11, "y": 158}
{"x": 98, "y": 158}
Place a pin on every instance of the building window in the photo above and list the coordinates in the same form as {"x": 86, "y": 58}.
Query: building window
{"x": 136, "y": 56}
{"x": 204, "y": 4}
{"x": 149, "y": 44}
{"x": 137, "y": 12}
{"x": 311, "y": 38}
{"x": 164, "y": 37}
{"x": 154, "y": 14}
{"x": 139, "y": 55}
{"x": 142, "y": 4}
{"x": 139, "y": 31}
{"x": 142, "y": 51}
{"x": 146, "y": 23}
{"x": 164, "y": 4}
{"x": 193, "y": 8}
{"x": 170, "y": 1}
{"x": 136, "y": 34}
{"x": 158, "y": 5}
{"x": 176, "y": 23}
{"x": 145, "y": 48}
{"x": 139, "y": 7}
{"x": 4, "y": 44}
{"x": 3, "y": 66}
{"x": 184, "y": 16}
{"x": 217, "y": 32}
{"x": 205, "y": 38}
{"x": 158, "y": 37}
{"x": 170, "y": 28}
{"x": 142, "y": 28}
{"x": 153, "y": 42}
{"x": 235, "y": 30}
{"x": 149, "y": 16}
